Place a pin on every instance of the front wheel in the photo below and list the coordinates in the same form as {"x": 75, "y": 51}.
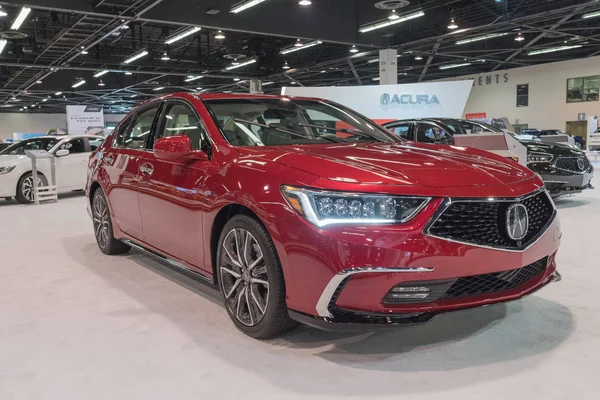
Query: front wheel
{"x": 578, "y": 145}
{"x": 251, "y": 279}
{"x": 103, "y": 229}
{"x": 25, "y": 190}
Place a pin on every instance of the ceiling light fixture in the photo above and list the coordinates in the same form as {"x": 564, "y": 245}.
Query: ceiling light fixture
{"x": 450, "y": 66}
{"x": 519, "y": 37}
{"x": 244, "y": 5}
{"x": 84, "y": 52}
{"x": 192, "y": 78}
{"x": 479, "y": 38}
{"x": 165, "y": 56}
{"x": 393, "y": 16}
{"x": 553, "y": 49}
{"x": 286, "y": 66}
{"x": 39, "y": 82}
{"x": 183, "y": 34}
{"x": 418, "y": 58}
{"x": 20, "y": 18}
{"x": 136, "y": 56}
{"x": 298, "y": 43}
{"x": 77, "y": 84}
{"x": 158, "y": 89}
{"x": 44, "y": 100}
{"x": 128, "y": 73}
{"x": 305, "y": 2}
{"x": 240, "y": 65}
{"x": 101, "y": 83}
{"x": 236, "y": 79}
{"x": 353, "y": 49}
{"x": 2, "y": 13}
{"x": 99, "y": 74}
{"x": 220, "y": 35}
{"x": 388, "y": 22}
{"x": 58, "y": 93}
{"x": 267, "y": 83}
{"x": 591, "y": 15}
{"x": 304, "y": 46}
{"x": 2, "y": 45}
{"x": 452, "y": 24}
{"x": 375, "y": 79}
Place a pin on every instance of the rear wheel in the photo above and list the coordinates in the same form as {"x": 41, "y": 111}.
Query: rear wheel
{"x": 578, "y": 145}
{"x": 251, "y": 279}
{"x": 103, "y": 229}
{"x": 25, "y": 190}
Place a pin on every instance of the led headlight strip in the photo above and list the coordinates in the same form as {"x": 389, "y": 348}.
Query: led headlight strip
{"x": 323, "y": 208}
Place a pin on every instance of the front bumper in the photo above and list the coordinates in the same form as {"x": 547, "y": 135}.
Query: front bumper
{"x": 341, "y": 274}
{"x": 567, "y": 184}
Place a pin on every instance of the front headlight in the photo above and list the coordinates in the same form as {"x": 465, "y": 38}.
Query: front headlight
{"x": 6, "y": 170}
{"x": 539, "y": 158}
{"x": 324, "y": 208}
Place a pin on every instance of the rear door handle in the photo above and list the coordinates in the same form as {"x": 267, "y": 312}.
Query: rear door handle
{"x": 146, "y": 169}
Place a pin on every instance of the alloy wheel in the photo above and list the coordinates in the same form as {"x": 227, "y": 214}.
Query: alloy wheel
{"x": 101, "y": 221}
{"x": 27, "y": 188}
{"x": 244, "y": 279}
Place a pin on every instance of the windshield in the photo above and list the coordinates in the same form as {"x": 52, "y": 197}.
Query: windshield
{"x": 277, "y": 122}
{"x": 42, "y": 143}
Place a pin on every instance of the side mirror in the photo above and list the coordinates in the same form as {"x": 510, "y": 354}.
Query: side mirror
{"x": 62, "y": 153}
{"x": 177, "y": 147}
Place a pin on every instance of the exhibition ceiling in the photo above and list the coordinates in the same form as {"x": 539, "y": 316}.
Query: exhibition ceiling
{"x": 117, "y": 53}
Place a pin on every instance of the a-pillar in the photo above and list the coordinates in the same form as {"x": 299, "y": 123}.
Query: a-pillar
{"x": 388, "y": 67}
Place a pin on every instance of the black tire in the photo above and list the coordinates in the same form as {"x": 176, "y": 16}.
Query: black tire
{"x": 25, "y": 187}
{"x": 275, "y": 319}
{"x": 578, "y": 145}
{"x": 103, "y": 229}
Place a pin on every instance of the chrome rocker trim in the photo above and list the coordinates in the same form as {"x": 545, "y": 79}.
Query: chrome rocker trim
{"x": 448, "y": 201}
{"x": 335, "y": 282}
{"x": 170, "y": 261}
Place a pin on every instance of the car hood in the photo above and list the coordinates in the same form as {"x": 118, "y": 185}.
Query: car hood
{"x": 395, "y": 164}
{"x": 556, "y": 149}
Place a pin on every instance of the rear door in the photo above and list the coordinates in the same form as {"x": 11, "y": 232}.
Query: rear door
{"x": 122, "y": 163}
{"x": 170, "y": 191}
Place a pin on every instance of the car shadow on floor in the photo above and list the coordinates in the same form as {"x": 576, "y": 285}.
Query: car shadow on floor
{"x": 62, "y": 196}
{"x": 478, "y": 345}
{"x": 563, "y": 203}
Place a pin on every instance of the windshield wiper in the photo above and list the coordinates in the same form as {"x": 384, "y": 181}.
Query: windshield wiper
{"x": 276, "y": 128}
{"x": 344, "y": 130}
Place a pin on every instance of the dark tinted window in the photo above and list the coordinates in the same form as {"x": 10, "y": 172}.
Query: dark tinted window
{"x": 430, "y": 133}
{"x": 74, "y": 146}
{"x": 402, "y": 130}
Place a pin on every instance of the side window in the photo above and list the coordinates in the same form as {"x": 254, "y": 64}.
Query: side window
{"x": 135, "y": 134}
{"x": 180, "y": 119}
{"x": 95, "y": 143}
{"x": 402, "y": 130}
{"x": 74, "y": 146}
{"x": 429, "y": 133}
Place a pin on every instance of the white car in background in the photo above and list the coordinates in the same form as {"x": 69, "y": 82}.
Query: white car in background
{"x": 71, "y": 154}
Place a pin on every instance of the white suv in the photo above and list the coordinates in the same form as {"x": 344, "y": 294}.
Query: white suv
{"x": 71, "y": 152}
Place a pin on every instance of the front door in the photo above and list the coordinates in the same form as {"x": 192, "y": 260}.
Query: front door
{"x": 71, "y": 170}
{"x": 122, "y": 164}
{"x": 170, "y": 190}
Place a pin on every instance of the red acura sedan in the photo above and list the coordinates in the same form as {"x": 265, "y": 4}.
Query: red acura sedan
{"x": 302, "y": 210}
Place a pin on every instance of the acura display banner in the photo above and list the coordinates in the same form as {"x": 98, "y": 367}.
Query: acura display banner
{"x": 390, "y": 102}
{"x": 85, "y": 120}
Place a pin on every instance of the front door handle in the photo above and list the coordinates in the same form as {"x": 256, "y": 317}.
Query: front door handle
{"x": 146, "y": 169}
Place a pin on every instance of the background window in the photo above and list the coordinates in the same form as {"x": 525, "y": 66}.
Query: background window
{"x": 401, "y": 130}
{"x": 135, "y": 134}
{"x": 582, "y": 89}
{"x": 429, "y": 133}
{"x": 74, "y": 146}
{"x": 182, "y": 120}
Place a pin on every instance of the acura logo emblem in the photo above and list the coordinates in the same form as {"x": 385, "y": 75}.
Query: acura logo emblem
{"x": 385, "y": 99}
{"x": 517, "y": 221}
{"x": 580, "y": 164}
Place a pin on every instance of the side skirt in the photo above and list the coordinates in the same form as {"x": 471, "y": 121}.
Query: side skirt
{"x": 170, "y": 261}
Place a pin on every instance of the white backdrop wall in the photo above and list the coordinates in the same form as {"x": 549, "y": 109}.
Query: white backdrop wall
{"x": 548, "y": 108}
{"x": 38, "y": 123}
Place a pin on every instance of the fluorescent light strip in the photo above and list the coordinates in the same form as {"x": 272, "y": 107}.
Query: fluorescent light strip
{"x": 158, "y": 88}
{"x": 76, "y": 85}
{"x": 245, "y": 5}
{"x": 479, "y": 38}
{"x": 2, "y": 45}
{"x": 455, "y": 66}
{"x": 20, "y": 18}
{"x": 387, "y": 22}
{"x": 240, "y": 65}
{"x": 99, "y": 74}
{"x": 267, "y": 83}
{"x": 177, "y": 37}
{"x": 193, "y": 78}
{"x": 591, "y": 15}
{"x": 305, "y": 46}
{"x": 137, "y": 56}
{"x": 553, "y": 49}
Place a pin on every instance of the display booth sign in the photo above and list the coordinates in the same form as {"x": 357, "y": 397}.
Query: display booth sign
{"x": 85, "y": 120}
{"x": 384, "y": 103}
